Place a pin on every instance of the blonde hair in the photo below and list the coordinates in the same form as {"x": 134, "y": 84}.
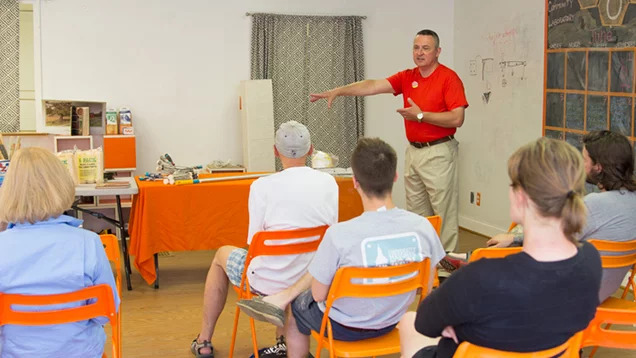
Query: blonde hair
{"x": 551, "y": 172}
{"x": 36, "y": 187}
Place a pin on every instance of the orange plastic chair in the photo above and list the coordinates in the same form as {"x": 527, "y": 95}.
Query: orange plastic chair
{"x": 615, "y": 311}
{"x": 512, "y": 226}
{"x": 493, "y": 253}
{"x": 614, "y": 303}
{"x": 259, "y": 247}
{"x": 619, "y": 260}
{"x": 111, "y": 246}
{"x": 103, "y": 307}
{"x": 570, "y": 349}
{"x": 341, "y": 286}
{"x": 436, "y": 221}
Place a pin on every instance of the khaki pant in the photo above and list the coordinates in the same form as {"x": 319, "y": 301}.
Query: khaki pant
{"x": 432, "y": 186}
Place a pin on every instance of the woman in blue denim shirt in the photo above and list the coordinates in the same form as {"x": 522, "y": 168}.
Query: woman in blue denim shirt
{"x": 43, "y": 251}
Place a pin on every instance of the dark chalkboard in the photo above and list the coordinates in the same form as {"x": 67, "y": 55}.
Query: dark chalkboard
{"x": 634, "y": 145}
{"x": 622, "y": 71}
{"x": 576, "y": 70}
{"x": 554, "y": 134}
{"x": 574, "y": 106}
{"x": 556, "y": 70}
{"x": 597, "y": 71}
{"x": 574, "y": 139}
{"x": 596, "y": 113}
{"x": 591, "y": 23}
{"x": 554, "y": 109}
{"x": 621, "y": 115}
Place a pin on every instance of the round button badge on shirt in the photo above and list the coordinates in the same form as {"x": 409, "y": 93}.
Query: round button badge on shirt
{"x": 414, "y": 84}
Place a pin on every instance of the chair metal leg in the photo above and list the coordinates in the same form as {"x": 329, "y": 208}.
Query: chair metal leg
{"x": 156, "y": 271}
{"x": 254, "y": 343}
{"x": 124, "y": 244}
{"x": 234, "y": 329}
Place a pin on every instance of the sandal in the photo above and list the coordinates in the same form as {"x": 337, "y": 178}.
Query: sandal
{"x": 195, "y": 347}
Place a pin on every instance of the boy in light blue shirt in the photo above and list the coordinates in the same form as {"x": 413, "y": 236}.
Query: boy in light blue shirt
{"x": 382, "y": 236}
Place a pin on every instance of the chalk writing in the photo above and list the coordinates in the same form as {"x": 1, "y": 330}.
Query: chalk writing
{"x": 557, "y": 5}
{"x": 561, "y": 20}
{"x": 602, "y": 36}
{"x": 626, "y": 44}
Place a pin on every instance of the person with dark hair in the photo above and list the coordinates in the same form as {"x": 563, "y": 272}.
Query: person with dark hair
{"x": 611, "y": 213}
{"x": 530, "y": 301}
{"x": 434, "y": 105}
{"x": 383, "y": 235}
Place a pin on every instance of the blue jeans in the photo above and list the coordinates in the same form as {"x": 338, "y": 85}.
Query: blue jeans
{"x": 309, "y": 317}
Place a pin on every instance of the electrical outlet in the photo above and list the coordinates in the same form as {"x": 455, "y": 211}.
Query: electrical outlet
{"x": 472, "y": 197}
{"x": 478, "y": 202}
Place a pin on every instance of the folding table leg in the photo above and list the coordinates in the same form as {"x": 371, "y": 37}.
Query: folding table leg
{"x": 157, "y": 271}
{"x": 124, "y": 244}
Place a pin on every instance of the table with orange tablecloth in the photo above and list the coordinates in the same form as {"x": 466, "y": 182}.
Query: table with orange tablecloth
{"x": 201, "y": 216}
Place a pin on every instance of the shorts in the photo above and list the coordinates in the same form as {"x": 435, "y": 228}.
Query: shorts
{"x": 309, "y": 318}
{"x": 236, "y": 265}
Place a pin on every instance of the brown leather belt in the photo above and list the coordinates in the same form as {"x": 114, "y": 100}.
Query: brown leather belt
{"x": 433, "y": 142}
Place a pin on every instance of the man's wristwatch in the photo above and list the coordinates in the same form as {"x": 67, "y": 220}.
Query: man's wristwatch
{"x": 419, "y": 117}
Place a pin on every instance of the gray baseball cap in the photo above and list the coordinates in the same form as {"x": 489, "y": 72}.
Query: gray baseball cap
{"x": 293, "y": 140}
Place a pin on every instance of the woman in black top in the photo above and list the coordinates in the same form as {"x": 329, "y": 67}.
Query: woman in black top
{"x": 530, "y": 301}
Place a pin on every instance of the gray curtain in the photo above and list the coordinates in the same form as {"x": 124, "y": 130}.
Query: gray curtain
{"x": 311, "y": 54}
{"x": 9, "y": 66}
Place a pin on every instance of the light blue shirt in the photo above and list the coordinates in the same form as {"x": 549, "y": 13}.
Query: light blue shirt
{"x": 374, "y": 239}
{"x": 51, "y": 257}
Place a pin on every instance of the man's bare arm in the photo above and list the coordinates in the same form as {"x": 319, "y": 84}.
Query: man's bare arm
{"x": 361, "y": 88}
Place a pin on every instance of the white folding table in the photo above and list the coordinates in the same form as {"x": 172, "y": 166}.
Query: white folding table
{"x": 91, "y": 190}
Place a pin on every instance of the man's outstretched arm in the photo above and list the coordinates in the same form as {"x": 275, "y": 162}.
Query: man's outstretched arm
{"x": 361, "y": 88}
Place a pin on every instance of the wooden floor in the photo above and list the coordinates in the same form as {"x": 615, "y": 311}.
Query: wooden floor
{"x": 163, "y": 322}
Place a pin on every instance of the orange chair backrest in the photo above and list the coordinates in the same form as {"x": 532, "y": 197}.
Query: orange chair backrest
{"x": 493, "y": 253}
{"x": 613, "y": 246}
{"x": 512, "y": 226}
{"x": 111, "y": 246}
{"x": 571, "y": 348}
{"x": 596, "y": 335}
{"x": 263, "y": 244}
{"x": 342, "y": 285}
{"x": 104, "y": 306}
{"x": 436, "y": 221}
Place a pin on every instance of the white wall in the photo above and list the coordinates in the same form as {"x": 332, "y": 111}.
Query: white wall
{"x": 503, "y": 30}
{"x": 178, "y": 65}
{"x": 27, "y": 73}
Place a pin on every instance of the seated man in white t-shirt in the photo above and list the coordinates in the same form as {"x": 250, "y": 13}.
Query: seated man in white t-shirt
{"x": 297, "y": 197}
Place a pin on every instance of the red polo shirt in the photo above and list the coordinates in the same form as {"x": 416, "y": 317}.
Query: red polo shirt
{"x": 442, "y": 91}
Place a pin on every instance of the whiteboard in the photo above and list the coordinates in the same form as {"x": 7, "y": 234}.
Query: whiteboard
{"x": 500, "y": 58}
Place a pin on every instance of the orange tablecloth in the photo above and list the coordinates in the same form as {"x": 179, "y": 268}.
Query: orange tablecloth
{"x": 202, "y": 216}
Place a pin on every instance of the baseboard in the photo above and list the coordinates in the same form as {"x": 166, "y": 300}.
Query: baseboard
{"x": 474, "y": 232}
{"x": 480, "y": 228}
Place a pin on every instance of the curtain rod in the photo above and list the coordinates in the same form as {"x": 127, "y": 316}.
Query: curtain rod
{"x": 363, "y": 17}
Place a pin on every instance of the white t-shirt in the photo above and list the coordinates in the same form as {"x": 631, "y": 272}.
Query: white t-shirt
{"x": 298, "y": 197}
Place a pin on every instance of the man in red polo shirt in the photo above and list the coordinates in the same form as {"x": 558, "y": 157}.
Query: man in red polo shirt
{"x": 434, "y": 102}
